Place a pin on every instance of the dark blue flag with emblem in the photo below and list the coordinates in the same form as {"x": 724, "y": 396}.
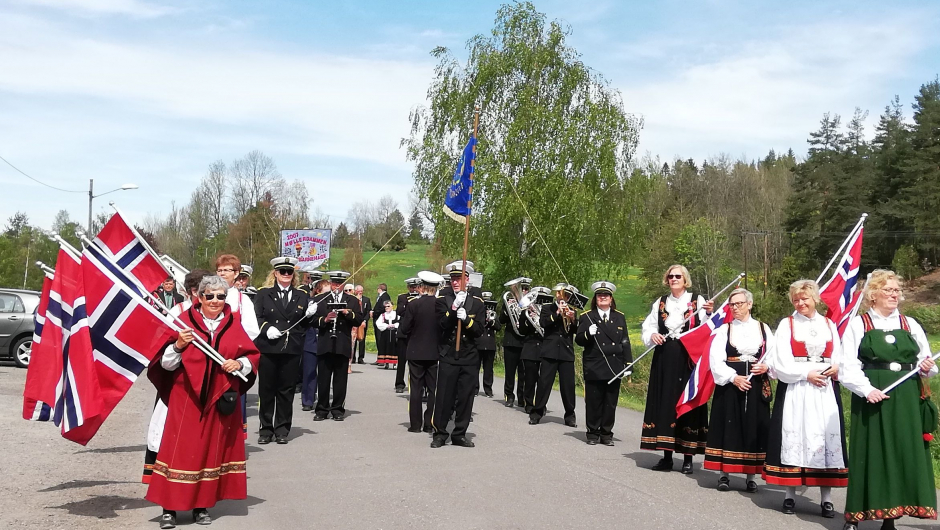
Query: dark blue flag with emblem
{"x": 460, "y": 193}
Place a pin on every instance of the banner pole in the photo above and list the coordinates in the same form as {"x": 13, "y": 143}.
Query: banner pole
{"x": 466, "y": 226}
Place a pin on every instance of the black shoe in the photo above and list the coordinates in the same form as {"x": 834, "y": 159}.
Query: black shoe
{"x": 827, "y": 510}
{"x": 399, "y": 390}
{"x": 168, "y": 520}
{"x": 201, "y": 516}
{"x": 319, "y": 417}
{"x": 887, "y": 524}
{"x": 664, "y": 464}
{"x": 338, "y": 418}
{"x": 534, "y": 420}
{"x": 428, "y": 430}
{"x": 361, "y": 361}
{"x": 376, "y": 363}
{"x": 571, "y": 423}
{"x": 462, "y": 442}
{"x": 724, "y": 484}
{"x": 751, "y": 487}
{"x": 264, "y": 439}
{"x": 591, "y": 441}
{"x": 281, "y": 440}
{"x": 306, "y": 408}
{"x": 788, "y": 506}
{"x": 414, "y": 429}
{"x": 609, "y": 442}
{"x": 488, "y": 393}
{"x": 508, "y": 404}
{"x": 437, "y": 442}
{"x": 686, "y": 468}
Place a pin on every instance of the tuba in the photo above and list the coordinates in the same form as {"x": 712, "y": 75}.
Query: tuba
{"x": 531, "y": 304}
{"x": 511, "y": 299}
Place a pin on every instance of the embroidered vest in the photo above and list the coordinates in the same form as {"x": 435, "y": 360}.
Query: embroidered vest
{"x": 690, "y": 312}
{"x": 799, "y": 348}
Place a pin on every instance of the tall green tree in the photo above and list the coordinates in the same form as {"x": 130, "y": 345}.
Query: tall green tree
{"x": 924, "y": 164}
{"x": 554, "y": 147}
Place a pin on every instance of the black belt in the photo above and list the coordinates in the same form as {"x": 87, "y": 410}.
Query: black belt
{"x": 894, "y": 367}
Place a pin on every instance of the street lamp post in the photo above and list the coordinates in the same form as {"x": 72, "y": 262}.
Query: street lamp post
{"x": 92, "y": 196}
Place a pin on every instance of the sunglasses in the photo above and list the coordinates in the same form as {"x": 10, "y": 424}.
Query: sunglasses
{"x": 285, "y": 272}
{"x": 674, "y": 276}
{"x": 220, "y": 271}
{"x": 209, "y": 296}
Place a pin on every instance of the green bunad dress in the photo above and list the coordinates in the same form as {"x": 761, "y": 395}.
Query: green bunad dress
{"x": 890, "y": 469}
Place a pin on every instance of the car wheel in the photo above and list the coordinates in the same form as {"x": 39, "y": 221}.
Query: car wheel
{"x": 21, "y": 351}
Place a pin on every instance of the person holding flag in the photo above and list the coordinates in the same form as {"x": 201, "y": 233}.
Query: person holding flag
{"x": 737, "y": 435}
{"x": 671, "y": 315}
{"x": 890, "y": 468}
{"x": 807, "y": 434}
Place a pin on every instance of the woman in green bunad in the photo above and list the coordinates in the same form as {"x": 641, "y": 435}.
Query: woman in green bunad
{"x": 890, "y": 470}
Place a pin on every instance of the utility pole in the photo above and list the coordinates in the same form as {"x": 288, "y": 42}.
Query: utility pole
{"x": 91, "y": 196}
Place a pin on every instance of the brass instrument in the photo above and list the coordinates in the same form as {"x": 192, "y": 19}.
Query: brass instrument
{"x": 531, "y": 303}
{"x": 569, "y": 300}
{"x": 511, "y": 300}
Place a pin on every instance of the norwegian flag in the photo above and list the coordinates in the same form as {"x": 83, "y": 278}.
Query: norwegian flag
{"x": 697, "y": 342}
{"x": 124, "y": 246}
{"x": 126, "y": 333}
{"x": 841, "y": 294}
{"x": 34, "y": 409}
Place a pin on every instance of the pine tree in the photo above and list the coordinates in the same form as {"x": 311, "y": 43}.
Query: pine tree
{"x": 924, "y": 163}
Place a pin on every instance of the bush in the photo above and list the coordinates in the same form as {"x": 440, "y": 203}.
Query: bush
{"x": 927, "y": 315}
{"x": 906, "y": 262}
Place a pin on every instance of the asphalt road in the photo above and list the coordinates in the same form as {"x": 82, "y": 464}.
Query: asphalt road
{"x": 369, "y": 472}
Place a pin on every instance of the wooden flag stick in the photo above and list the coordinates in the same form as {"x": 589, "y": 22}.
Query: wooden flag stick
{"x": 466, "y": 225}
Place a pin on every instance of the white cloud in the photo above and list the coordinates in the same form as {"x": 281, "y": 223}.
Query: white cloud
{"x": 133, "y": 8}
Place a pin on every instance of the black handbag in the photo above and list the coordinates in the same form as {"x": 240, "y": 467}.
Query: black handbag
{"x": 228, "y": 402}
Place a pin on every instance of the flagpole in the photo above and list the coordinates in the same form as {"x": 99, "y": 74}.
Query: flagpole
{"x": 838, "y": 252}
{"x": 672, "y": 334}
{"x": 466, "y": 227}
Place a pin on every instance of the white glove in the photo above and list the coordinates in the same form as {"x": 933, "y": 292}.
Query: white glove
{"x": 273, "y": 333}
{"x": 460, "y": 299}
{"x": 311, "y": 309}
{"x": 462, "y": 314}
{"x": 593, "y": 329}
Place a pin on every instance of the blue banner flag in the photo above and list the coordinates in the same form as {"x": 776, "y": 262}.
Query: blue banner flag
{"x": 457, "y": 202}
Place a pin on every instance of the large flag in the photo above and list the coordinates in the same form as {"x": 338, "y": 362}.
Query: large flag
{"x": 34, "y": 409}
{"x": 124, "y": 246}
{"x": 697, "y": 342}
{"x": 460, "y": 193}
{"x": 126, "y": 333}
{"x": 840, "y": 293}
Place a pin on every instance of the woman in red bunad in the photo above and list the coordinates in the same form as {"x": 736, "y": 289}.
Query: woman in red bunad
{"x": 202, "y": 454}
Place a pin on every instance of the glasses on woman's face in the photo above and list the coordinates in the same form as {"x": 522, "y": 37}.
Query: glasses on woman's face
{"x": 285, "y": 272}
{"x": 891, "y": 291}
{"x": 674, "y": 276}
{"x": 211, "y": 296}
{"x": 222, "y": 271}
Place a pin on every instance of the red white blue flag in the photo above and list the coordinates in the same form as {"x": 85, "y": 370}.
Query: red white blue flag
{"x": 841, "y": 294}
{"x": 34, "y": 409}
{"x": 124, "y": 246}
{"x": 697, "y": 342}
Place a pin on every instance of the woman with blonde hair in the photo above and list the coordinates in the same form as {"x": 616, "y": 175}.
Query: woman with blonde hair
{"x": 890, "y": 469}
{"x": 807, "y": 430}
{"x": 671, "y": 315}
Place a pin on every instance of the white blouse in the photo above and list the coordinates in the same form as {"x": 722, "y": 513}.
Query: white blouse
{"x": 814, "y": 332}
{"x": 386, "y": 320}
{"x": 240, "y": 303}
{"x": 675, "y": 309}
{"x": 851, "y": 373}
{"x": 746, "y": 338}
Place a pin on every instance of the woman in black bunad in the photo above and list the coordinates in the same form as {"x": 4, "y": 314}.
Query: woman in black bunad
{"x": 737, "y": 434}
{"x": 387, "y": 324}
{"x": 675, "y": 313}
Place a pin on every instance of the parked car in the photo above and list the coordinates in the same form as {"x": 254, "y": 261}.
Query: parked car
{"x": 17, "y": 311}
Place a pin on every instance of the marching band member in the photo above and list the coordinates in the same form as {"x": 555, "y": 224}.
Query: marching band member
{"x": 285, "y": 313}
{"x": 890, "y": 467}
{"x": 807, "y": 438}
{"x": 513, "y": 340}
{"x": 558, "y": 320}
{"x": 531, "y": 354}
{"x": 672, "y": 314}
{"x": 334, "y": 346}
{"x": 487, "y": 344}
{"x": 401, "y": 344}
{"x": 243, "y": 282}
{"x": 458, "y": 369}
{"x": 737, "y": 436}
{"x": 602, "y": 332}
{"x": 419, "y": 323}
{"x": 316, "y": 290}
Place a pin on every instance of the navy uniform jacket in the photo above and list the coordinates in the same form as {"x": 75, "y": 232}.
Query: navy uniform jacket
{"x": 271, "y": 312}
{"x": 341, "y": 343}
{"x": 531, "y": 341}
{"x": 557, "y": 343}
{"x": 419, "y": 324}
{"x": 511, "y": 339}
{"x": 487, "y": 341}
{"x": 614, "y": 353}
{"x": 471, "y": 330}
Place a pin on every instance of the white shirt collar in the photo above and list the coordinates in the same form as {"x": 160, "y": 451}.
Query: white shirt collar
{"x": 799, "y": 317}
{"x": 875, "y": 315}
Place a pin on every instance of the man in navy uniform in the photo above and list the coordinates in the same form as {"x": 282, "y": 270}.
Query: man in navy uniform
{"x": 420, "y": 325}
{"x": 334, "y": 346}
{"x": 402, "y": 338}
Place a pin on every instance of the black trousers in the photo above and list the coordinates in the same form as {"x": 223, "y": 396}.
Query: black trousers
{"x": 277, "y": 376}
{"x": 486, "y": 362}
{"x": 455, "y": 385}
{"x": 362, "y": 344}
{"x": 400, "y": 369}
{"x": 422, "y": 376}
{"x": 512, "y": 360}
{"x": 547, "y": 371}
{"x": 331, "y": 370}
{"x": 600, "y": 408}
{"x": 531, "y": 380}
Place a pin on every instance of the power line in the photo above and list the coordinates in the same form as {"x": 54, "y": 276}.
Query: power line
{"x": 37, "y": 180}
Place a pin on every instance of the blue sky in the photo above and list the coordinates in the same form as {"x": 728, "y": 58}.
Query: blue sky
{"x": 153, "y": 91}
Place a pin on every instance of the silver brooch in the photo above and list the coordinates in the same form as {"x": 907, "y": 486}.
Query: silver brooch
{"x": 890, "y": 339}
{"x": 894, "y": 367}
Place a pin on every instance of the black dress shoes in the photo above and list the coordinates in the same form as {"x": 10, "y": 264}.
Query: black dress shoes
{"x": 399, "y": 390}
{"x": 534, "y": 420}
{"x": 414, "y": 429}
{"x": 508, "y": 404}
{"x": 664, "y": 464}
{"x": 462, "y": 442}
{"x": 437, "y": 442}
{"x": 686, "y": 468}
{"x": 201, "y": 516}
{"x": 571, "y": 423}
{"x": 306, "y": 408}
{"x": 281, "y": 440}
{"x": 609, "y": 442}
{"x": 264, "y": 439}
{"x": 489, "y": 393}
{"x": 319, "y": 417}
{"x": 752, "y": 488}
{"x": 361, "y": 361}
{"x": 338, "y": 418}
{"x": 168, "y": 520}
{"x": 428, "y": 429}
{"x": 827, "y": 510}
{"x": 788, "y": 506}
{"x": 591, "y": 441}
